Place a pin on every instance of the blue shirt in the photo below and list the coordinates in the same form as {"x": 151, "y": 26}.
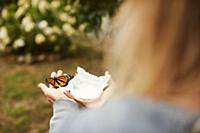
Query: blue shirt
{"x": 122, "y": 116}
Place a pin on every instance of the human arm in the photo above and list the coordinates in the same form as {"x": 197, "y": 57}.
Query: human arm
{"x": 65, "y": 106}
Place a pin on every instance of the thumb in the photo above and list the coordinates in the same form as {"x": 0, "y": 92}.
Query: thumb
{"x": 53, "y": 94}
{"x": 44, "y": 88}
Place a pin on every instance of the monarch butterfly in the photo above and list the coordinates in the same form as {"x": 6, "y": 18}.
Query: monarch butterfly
{"x": 59, "y": 81}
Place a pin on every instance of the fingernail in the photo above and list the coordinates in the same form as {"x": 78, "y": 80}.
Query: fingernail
{"x": 40, "y": 85}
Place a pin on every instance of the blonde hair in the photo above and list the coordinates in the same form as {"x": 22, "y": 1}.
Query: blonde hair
{"x": 156, "y": 47}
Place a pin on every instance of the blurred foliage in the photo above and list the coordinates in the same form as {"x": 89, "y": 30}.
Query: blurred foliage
{"x": 5, "y": 2}
{"x": 44, "y": 26}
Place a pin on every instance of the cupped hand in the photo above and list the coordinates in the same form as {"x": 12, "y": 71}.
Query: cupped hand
{"x": 102, "y": 99}
{"x": 53, "y": 94}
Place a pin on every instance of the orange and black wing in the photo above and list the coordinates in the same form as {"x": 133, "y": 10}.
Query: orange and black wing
{"x": 53, "y": 82}
{"x": 62, "y": 80}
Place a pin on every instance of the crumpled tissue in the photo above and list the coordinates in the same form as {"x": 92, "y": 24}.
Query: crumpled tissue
{"x": 85, "y": 86}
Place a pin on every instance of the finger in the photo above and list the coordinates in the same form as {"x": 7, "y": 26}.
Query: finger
{"x": 68, "y": 94}
{"x": 107, "y": 73}
{"x": 47, "y": 91}
{"x": 50, "y": 100}
{"x": 105, "y": 88}
{"x": 53, "y": 74}
{"x": 59, "y": 73}
{"x": 44, "y": 88}
{"x": 80, "y": 103}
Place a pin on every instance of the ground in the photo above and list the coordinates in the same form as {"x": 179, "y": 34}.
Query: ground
{"x": 23, "y": 107}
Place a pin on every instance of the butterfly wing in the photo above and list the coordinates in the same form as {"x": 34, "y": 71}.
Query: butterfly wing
{"x": 62, "y": 80}
{"x": 53, "y": 82}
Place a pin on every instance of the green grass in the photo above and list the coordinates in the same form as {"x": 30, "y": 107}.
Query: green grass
{"x": 23, "y": 107}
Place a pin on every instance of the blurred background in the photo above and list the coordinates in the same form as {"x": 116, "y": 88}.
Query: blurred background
{"x": 41, "y": 36}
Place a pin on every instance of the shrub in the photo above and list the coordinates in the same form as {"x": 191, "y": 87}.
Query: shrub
{"x": 46, "y": 26}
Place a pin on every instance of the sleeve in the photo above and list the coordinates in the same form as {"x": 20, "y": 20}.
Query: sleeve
{"x": 62, "y": 111}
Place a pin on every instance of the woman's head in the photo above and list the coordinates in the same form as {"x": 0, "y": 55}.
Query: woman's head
{"x": 156, "y": 47}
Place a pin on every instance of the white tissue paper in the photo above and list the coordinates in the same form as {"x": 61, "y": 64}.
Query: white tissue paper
{"x": 85, "y": 86}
